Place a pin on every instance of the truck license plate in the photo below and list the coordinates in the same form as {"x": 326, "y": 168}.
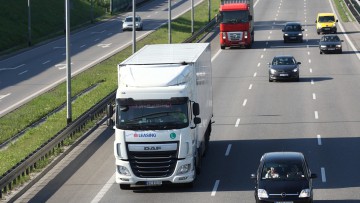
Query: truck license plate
{"x": 155, "y": 182}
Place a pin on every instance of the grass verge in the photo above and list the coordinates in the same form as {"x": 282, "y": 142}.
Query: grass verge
{"x": 343, "y": 11}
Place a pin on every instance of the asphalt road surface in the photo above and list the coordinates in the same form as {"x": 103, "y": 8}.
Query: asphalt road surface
{"x": 319, "y": 116}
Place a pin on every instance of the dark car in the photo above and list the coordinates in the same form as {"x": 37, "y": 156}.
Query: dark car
{"x": 292, "y": 31}
{"x": 284, "y": 68}
{"x": 330, "y": 43}
{"x": 283, "y": 177}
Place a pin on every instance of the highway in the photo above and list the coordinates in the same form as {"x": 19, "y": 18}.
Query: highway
{"x": 319, "y": 116}
{"x": 30, "y": 73}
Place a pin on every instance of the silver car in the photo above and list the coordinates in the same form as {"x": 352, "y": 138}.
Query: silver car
{"x": 128, "y": 23}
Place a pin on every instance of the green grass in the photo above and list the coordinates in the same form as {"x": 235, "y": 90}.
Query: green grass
{"x": 342, "y": 10}
{"x": 47, "y": 20}
{"x": 104, "y": 75}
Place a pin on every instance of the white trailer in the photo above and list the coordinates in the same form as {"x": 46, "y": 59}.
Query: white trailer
{"x": 163, "y": 114}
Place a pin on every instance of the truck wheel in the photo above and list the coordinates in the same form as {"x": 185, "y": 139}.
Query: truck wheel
{"x": 198, "y": 162}
{"x": 222, "y": 47}
{"x": 124, "y": 186}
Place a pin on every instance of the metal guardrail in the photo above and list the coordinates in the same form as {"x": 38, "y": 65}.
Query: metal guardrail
{"x": 354, "y": 8}
{"x": 26, "y": 166}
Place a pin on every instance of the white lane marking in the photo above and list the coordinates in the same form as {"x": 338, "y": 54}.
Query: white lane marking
{"x": 258, "y": 64}
{"x": 23, "y": 72}
{"x": 270, "y": 32}
{"x": 82, "y": 46}
{"x": 250, "y": 86}
{"x": 255, "y": 74}
{"x": 310, "y": 70}
{"x": 59, "y": 47}
{"x": 109, "y": 34}
{"x": 61, "y": 65}
{"x": 104, "y": 189}
{"x": 14, "y": 68}
{"x": 216, "y": 185}
{"x": 104, "y": 45}
{"x": 308, "y": 52}
{"x": 264, "y": 49}
{"x": 314, "y": 96}
{"x": 262, "y": 56}
{"x": 312, "y": 82}
{"x": 316, "y": 115}
{"x": 5, "y": 95}
{"x": 228, "y": 150}
{"x": 237, "y": 122}
{"x": 319, "y": 139}
{"x": 48, "y": 61}
{"x": 96, "y": 40}
{"x": 309, "y": 60}
{"x": 323, "y": 175}
{"x": 244, "y": 103}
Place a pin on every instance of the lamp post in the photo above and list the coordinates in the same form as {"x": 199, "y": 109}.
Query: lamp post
{"x": 68, "y": 62}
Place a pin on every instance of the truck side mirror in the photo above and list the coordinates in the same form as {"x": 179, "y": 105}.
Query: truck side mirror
{"x": 109, "y": 113}
{"x": 217, "y": 17}
{"x": 197, "y": 120}
{"x": 196, "y": 109}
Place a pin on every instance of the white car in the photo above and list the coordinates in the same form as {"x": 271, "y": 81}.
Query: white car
{"x": 128, "y": 23}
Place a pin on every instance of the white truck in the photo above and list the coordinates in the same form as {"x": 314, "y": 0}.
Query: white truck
{"x": 163, "y": 114}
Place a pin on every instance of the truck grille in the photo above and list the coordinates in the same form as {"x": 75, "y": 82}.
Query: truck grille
{"x": 235, "y": 36}
{"x": 153, "y": 164}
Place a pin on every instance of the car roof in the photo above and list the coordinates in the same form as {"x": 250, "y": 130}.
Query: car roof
{"x": 326, "y": 14}
{"x": 283, "y": 156}
{"x": 293, "y": 23}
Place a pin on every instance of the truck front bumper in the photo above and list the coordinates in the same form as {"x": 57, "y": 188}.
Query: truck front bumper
{"x": 176, "y": 177}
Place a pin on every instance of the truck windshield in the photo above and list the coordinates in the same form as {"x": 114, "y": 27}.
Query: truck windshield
{"x": 152, "y": 116}
{"x": 234, "y": 16}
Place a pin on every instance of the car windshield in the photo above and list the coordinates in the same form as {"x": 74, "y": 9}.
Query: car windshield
{"x": 283, "y": 61}
{"x": 324, "y": 19}
{"x": 283, "y": 171}
{"x": 330, "y": 39}
{"x": 292, "y": 28}
{"x": 129, "y": 19}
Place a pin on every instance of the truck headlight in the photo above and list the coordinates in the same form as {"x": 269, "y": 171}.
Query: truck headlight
{"x": 224, "y": 35}
{"x": 262, "y": 194}
{"x": 184, "y": 169}
{"x": 305, "y": 193}
{"x": 123, "y": 170}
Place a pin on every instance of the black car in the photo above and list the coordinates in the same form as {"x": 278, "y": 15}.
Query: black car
{"x": 292, "y": 31}
{"x": 283, "y": 177}
{"x": 284, "y": 67}
{"x": 330, "y": 43}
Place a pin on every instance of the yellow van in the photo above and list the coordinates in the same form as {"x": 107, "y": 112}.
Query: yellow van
{"x": 326, "y": 23}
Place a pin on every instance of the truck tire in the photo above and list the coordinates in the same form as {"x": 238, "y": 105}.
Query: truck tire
{"x": 124, "y": 186}
{"x": 222, "y": 47}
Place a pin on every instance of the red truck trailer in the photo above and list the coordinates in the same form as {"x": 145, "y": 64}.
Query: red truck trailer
{"x": 236, "y": 23}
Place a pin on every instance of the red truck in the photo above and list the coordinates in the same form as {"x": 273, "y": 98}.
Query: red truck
{"x": 236, "y": 23}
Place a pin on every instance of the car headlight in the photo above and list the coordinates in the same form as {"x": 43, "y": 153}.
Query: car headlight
{"x": 300, "y": 34}
{"x": 295, "y": 70}
{"x": 286, "y": 34}
{"x": 123, "y": 170}
{"x": 338, "y": 46}
{"x": 262, "y": 194}
{"x": 323, "y": 46}
{"x": 272, "y": 71}
{"x": 184, "y": 169}
{"x": 305, "y": 193}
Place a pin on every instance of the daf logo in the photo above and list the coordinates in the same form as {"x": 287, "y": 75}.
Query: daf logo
{"x": 152, "y": 148}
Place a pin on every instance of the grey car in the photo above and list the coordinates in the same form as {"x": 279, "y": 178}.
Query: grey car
{"x": 330, "y": 43}
{"x": 128, "y": 23}
{"x": 284, "y": 67}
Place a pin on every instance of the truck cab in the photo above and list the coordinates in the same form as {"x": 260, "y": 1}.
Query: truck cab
{"x": 326, "y": 23}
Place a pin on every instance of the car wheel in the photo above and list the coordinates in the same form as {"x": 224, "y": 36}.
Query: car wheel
{"x": 321, "y": 52}
{"x": 318, "y": 33}
{"x": 340, "y": 51}
{"x": 270, "y": 80}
